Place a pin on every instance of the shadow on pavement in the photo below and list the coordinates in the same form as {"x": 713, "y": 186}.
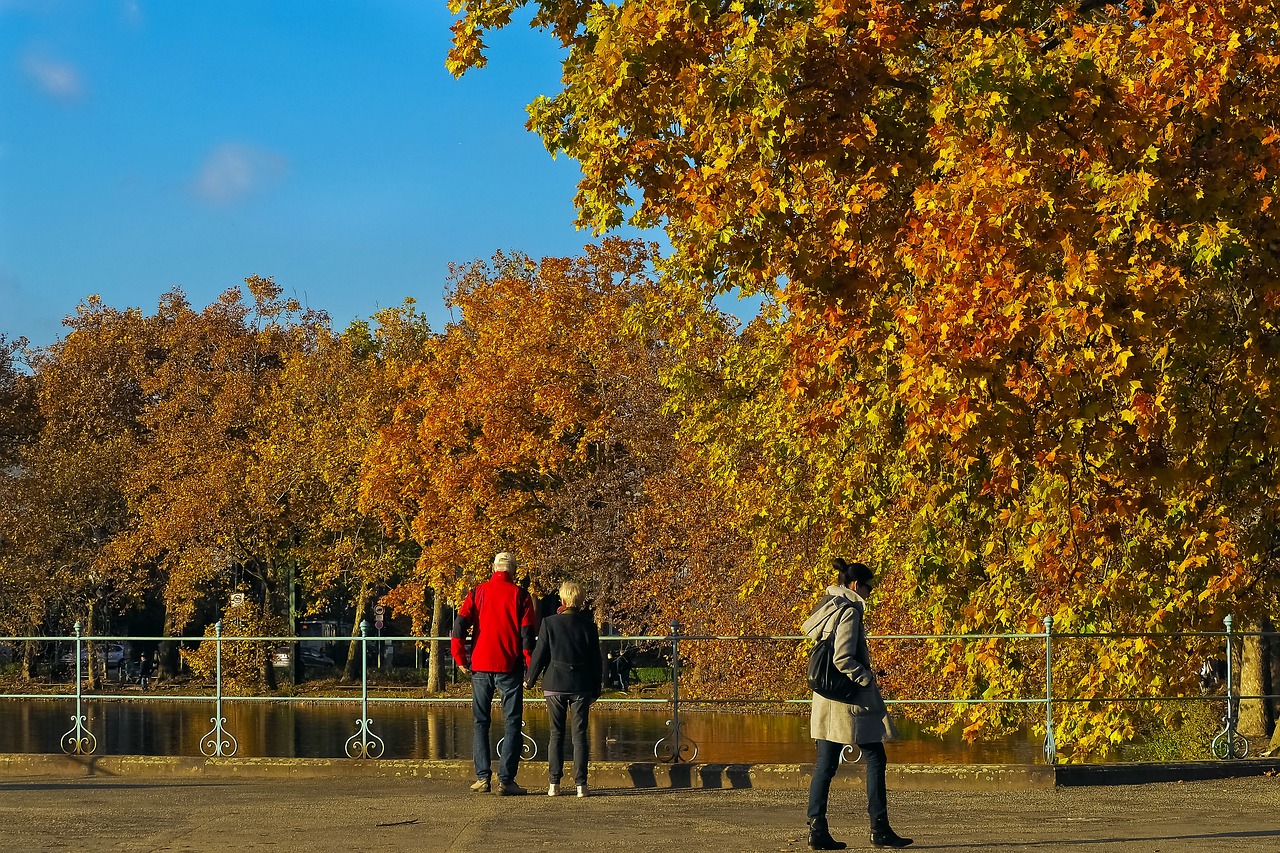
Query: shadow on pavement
{"x": 80, "y": 786}
{"x": 1058, "y": 842}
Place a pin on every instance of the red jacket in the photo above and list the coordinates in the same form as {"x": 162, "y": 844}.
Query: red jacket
{"x": 504, "y": 624}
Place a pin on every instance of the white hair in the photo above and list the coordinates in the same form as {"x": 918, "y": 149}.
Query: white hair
{"x": 570, "y": 594}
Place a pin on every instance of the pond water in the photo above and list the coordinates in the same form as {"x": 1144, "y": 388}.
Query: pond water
{"x": 443, "y": 731}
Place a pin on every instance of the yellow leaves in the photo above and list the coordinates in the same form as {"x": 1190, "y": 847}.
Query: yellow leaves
{"x": 986, "y": 238}
{"x": 1211, "y": 236}
{"x": 524, "y": 400}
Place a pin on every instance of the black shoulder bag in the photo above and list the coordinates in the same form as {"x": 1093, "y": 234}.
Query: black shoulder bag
{"x": 826, "y": 679}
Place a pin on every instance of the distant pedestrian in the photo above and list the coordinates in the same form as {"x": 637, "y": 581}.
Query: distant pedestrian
{"x": 501, "y": 619}
{"x": 568, "y": 652}
{"x": 144, "y": 670}
{"x": 620, "y": 668}
{"x": 836, "y": 724}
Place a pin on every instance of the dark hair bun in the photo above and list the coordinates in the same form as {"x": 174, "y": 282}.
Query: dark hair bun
{"x": 851, "y": 572}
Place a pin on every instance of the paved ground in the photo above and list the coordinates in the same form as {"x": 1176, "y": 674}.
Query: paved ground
{"x": 56, "y": 813}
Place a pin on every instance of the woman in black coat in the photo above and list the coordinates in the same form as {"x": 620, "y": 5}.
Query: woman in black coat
{"x": 568, "y": 651}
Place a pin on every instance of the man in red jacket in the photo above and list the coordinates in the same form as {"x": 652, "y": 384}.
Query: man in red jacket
{"x": 501, "y": 617}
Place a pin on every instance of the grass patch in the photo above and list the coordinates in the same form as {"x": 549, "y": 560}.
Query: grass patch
{"x": 1184, "y": 735}
{"x": 650, "y": 674}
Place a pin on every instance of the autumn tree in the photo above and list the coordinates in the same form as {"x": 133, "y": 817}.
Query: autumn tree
{"x": 207, "y": 510}
{"x": 64, "y": 503}
{"x": 525, "y": 424}
{"x": 325, "y": 410}
{"x": 19, "y": 424}
{"x": 1027, "y": 269}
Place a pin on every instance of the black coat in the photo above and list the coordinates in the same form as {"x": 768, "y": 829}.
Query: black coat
{"x": 568, "y": 651}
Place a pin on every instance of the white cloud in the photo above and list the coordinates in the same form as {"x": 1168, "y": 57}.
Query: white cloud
{"x": 234, "y": 171}
{"x": 55, "y": 77}
{"x": 131, "y": 11}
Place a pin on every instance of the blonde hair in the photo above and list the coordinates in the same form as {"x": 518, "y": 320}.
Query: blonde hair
{"x": 570, "y": 594}
{"x": 505, "y": 561}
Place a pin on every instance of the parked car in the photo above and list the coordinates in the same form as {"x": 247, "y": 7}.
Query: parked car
{"x": 308, "y": 655}
{"x": 315, "y": 657}
{"x": 112, "y": 652}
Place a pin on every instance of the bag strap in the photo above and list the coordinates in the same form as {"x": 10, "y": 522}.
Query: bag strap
{"x": 834, "y": 614}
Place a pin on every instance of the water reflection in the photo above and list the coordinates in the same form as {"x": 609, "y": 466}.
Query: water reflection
{"x": 299, "y": 730}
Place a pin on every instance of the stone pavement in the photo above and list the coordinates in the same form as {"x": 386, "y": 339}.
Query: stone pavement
{"x": 54, "y": 812}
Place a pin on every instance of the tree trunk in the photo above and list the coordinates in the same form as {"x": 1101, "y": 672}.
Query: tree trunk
{"x": 92, "y": 661}
{"x": 29, "y": 659}
{"x": 1272, "y": 673}
{"x": 351, "y": 672}
{"x": 1256, "y": 715}
{"x": 296, "y": 670}
{"x": 268, "y": 659}
{"x": 167, "y": 658}
{"x": 434, "y": 681}
{"x": 269, "y": 670}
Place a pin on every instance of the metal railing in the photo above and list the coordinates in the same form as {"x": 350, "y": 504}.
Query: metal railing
{"x": 673, "y": 747}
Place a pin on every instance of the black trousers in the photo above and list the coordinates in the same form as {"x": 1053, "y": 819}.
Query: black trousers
{"x": 825, "y": 769}
{"x": 557, "y": 710}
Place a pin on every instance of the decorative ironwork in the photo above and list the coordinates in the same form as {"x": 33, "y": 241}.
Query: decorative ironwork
{"x": 78, "y": 740}
{"x": 528, "y": 746}
{"x": 364, "y": 743}
{"x": 1050, "y": 747}
{"x": 1229, "y": 743}
{"x": 218, "y": 742}
{"x": 679, "y": 746}
{"x": 847, "y": 751}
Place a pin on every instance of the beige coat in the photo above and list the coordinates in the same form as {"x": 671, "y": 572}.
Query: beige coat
{"x": 868, "y": 721}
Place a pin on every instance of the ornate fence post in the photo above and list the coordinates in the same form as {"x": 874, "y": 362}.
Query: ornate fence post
{"x": 364, "y": 743}
{"x": 218, "y": 742}
{"x": 1050, "y": 747}
{"x": 677, "y": 742}
{"x": 78, "y": 740}
{"x": 1229, "y": 743}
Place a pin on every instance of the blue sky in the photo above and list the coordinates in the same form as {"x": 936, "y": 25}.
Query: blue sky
{"x": 147, "y": 144}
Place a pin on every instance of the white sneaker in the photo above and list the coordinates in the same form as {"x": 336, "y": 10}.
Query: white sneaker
{"x": 553, "y": 790}
{"x": 582, "y": 790}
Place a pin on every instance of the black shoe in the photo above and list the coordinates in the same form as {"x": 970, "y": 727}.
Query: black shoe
{"x": 820, "y": 838}
{"x": 888, "y": 838}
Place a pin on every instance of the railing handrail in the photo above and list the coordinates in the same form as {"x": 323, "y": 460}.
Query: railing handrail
{"x": 365, "y": 744}
{"x": 285, "y": 638}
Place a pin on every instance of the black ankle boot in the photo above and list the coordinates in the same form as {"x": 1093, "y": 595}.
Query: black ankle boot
{"x": 820, "y": 838}
{"x": 886, "y": 837}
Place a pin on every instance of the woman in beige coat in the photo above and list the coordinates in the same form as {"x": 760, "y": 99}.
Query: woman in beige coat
{"x": 835, "y": 725}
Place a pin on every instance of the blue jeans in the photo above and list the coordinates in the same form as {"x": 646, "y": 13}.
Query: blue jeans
{"x": 557, "y": 710}
{"x": 511, "y": 686}
{"x": 825, "y": 769}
